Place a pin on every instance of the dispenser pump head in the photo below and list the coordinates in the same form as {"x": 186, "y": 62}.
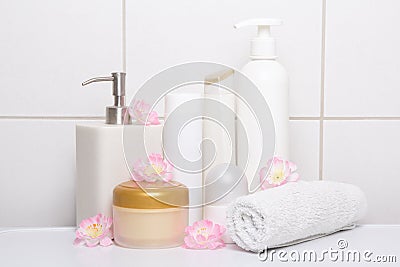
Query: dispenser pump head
{"x": 262, "y": 46}
{"x": 118, "y": 113}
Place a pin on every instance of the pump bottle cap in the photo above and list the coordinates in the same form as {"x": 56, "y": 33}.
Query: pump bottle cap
{"x": 118, "y": 113}
{"x": 262, "y": 46}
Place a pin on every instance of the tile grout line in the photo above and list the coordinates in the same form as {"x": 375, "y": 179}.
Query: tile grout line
{"x": 123, "y": 35}
{"x": 52, "y": 117}
{"x": 380, "y": 118}
{"x": 294, "y": 118}
{"x": 322, "y": 96}
{"x": 342, "y": 118}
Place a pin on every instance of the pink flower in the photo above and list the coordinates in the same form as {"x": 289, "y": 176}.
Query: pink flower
{"x": 140, "y": 111}
{"x": 95, "y": 230}
{"x": 204, "y": 235}
{"x": 281, "y": 172}
{"x": 155, "y": 168}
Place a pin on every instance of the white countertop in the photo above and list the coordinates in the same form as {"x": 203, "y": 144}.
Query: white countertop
{"x": 53, "y": 247}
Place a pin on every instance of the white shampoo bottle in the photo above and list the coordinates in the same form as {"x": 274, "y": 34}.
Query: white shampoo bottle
{"x": 272, "y": 80}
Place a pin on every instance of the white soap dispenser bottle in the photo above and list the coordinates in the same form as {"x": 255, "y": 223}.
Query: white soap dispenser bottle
{"x": 101, "y": 161}
{"x": 272, "y": 80}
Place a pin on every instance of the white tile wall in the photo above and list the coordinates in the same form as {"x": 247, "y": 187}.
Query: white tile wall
{"x": 37, "y": 174}
{"x": 367, "y": 154}
{"x": 45, "y": 56}
{"x": 362, "y": 58}
{"x": 179, "y": 31}
{"x": 49, "y": 47}
{"x": 304, "y": 148}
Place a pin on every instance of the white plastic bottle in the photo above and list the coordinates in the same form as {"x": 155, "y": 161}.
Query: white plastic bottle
{"x": 272, "y": 80}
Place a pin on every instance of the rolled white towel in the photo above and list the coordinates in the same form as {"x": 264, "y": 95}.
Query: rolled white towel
{"x": 294, "y": 213}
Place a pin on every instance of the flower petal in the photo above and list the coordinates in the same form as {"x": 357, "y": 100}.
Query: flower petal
{"x": 278, "y": 162}
{"x": 201, "y": 239}
{"x": 197, "y": 224}
{"x": 287, "y": 170}
{"x": 263, "y": 174}
{"x": 77, "y": 241}
{"x": 153, "y": 118}
{"x": 106, "y": 241}
{"x": 92, "y": 242}
{"x": 292, "y": 166}
{"x": 79, "y": 234}
{"x": 85, "y": 223}
{"x": 293, "y": 177}
{"x": 218, "y": 230}
{"x": 190, "y": 242}
{"x": 215, "y": 245}
{"x": 208, "y": 224}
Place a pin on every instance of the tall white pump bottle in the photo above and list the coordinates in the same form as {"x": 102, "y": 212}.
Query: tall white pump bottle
{"x": 272, "y": 80}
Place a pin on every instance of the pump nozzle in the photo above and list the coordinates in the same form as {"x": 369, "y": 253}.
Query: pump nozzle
{"x": 118, "y": 113}
{"x": 262, "y": 46}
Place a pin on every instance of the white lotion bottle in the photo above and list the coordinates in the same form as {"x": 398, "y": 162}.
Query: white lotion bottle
{"x": 100, "y": 156}
{"x": 272, "y": 80}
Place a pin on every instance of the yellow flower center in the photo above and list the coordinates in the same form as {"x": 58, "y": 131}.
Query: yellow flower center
{"x": 202, "y": 231}
{"x": 94, "y": 230}
{"x": 278, "y": 176}
{"x": 153, "y": 169}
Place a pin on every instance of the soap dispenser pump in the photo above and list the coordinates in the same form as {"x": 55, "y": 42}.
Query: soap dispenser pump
{"x": 118, "y": 113}
{"x": 101, "y": 162}
{"x": 272, "y": 81}
{"x": 263, "y": 45}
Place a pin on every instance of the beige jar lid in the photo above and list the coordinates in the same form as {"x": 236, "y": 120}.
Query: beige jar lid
{"x": 157, "y": 195}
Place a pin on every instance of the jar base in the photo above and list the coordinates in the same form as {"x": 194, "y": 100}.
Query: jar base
{"x": 147, "y": 244}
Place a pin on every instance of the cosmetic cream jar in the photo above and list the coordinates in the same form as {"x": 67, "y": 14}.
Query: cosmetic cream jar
{"x": 150, "y": 215}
